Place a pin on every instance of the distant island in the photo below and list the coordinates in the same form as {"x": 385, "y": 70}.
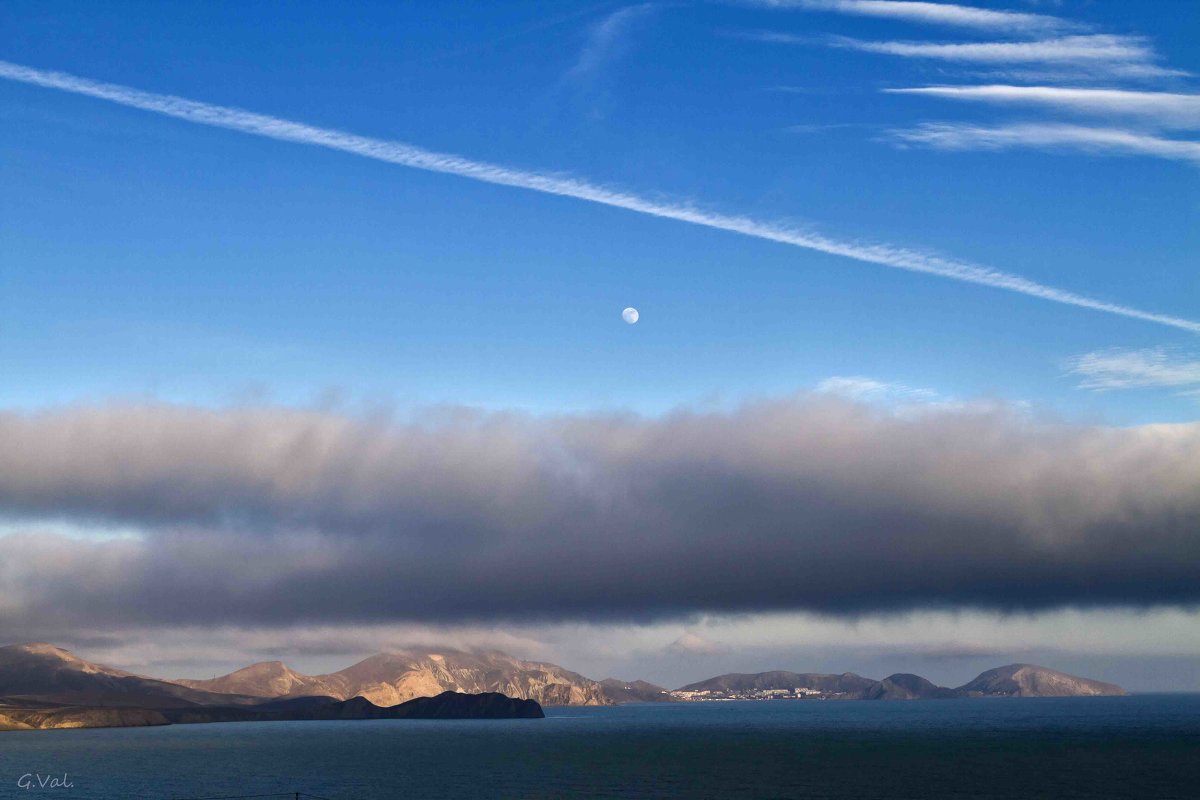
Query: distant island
{"x": 1014, "y": 680}
{"x": 43, "y": 686}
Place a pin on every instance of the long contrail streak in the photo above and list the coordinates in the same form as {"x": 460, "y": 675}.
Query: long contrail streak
{"x": 410, "y": 156}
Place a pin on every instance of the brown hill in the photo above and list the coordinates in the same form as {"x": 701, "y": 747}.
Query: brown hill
{"x": 1030, "y": 680}
{"x": 50, "y": 675}
{"x": 388, "y": 679}
{"x": 265, "y": 679}
{"x": 906, "y": 686}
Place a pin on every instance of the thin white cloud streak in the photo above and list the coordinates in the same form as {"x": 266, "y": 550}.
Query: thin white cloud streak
{"x": 1071, "y": 49}
{"x": 1076, "y": 58}
{"x": 606, "y": 39}
{"x": 949, "y": 14}
{"x": 1082, "y": 73}
{"x": 1102, "y": 370}
{"x": 1100, "y": 141}
{"x": 1166, "y": 109}
{"x": 394, "y": 152}
{"x": 862, "y": 388}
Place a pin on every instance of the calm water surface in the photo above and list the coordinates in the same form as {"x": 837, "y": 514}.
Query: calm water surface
{"x": 1145, "y": 746}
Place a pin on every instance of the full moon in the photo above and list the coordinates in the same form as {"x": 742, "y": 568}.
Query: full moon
{"x": 630, "y": 315}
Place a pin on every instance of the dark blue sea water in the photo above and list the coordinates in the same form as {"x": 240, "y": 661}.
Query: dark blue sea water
{"x": 1120, "y": 747}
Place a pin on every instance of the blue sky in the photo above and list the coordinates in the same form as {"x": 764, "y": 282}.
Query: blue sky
{"x": 217, "y": 261}
{"x": 145, "y": 256}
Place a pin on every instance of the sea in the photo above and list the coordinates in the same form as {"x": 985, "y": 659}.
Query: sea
{"x": 1142, "y": 746}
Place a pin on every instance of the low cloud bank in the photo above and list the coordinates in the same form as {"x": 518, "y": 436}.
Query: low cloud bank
{"x": 260, "y": 516}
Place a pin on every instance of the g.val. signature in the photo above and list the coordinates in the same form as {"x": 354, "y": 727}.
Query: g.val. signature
{"x": 34, "y": 780}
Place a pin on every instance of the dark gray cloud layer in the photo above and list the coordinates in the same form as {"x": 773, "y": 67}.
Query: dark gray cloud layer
{"x": 273, "y": 516}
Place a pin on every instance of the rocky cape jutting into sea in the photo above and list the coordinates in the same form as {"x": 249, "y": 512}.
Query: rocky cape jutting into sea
{"x": 43, "y": 686}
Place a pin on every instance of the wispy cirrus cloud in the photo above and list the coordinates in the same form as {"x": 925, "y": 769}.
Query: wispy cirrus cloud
{"x": 1163, "y": 109}
{"x": 403, "y": 154}
{"x": 1098, "y": 47}
{"x": 1102, "y": 370}
{"x": 1047, "y": 136}
{"x": 1028, "y": 48}
{"x": 1099, "y": 74}
{"x": 947, "y": 14}
{"x": 862, "y": 388}
{"x": 606, "y": 41}
{"x": 1082, "y": 57}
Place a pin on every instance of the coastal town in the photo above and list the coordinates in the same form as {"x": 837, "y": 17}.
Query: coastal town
{"x": 795, "y": 693}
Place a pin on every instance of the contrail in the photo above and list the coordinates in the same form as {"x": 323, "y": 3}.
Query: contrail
{"x": 419, "y": 158}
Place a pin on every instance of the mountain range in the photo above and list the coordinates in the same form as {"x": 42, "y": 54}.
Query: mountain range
{"x": 1014, "y": 680}
{"x": 42, "y": 685}
{"x": 390, "y": 678}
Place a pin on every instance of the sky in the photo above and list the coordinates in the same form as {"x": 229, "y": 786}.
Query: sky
{"x": 311, "y": 340}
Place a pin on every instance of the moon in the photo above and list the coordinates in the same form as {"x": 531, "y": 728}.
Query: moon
{"x": 630, "y": 315}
